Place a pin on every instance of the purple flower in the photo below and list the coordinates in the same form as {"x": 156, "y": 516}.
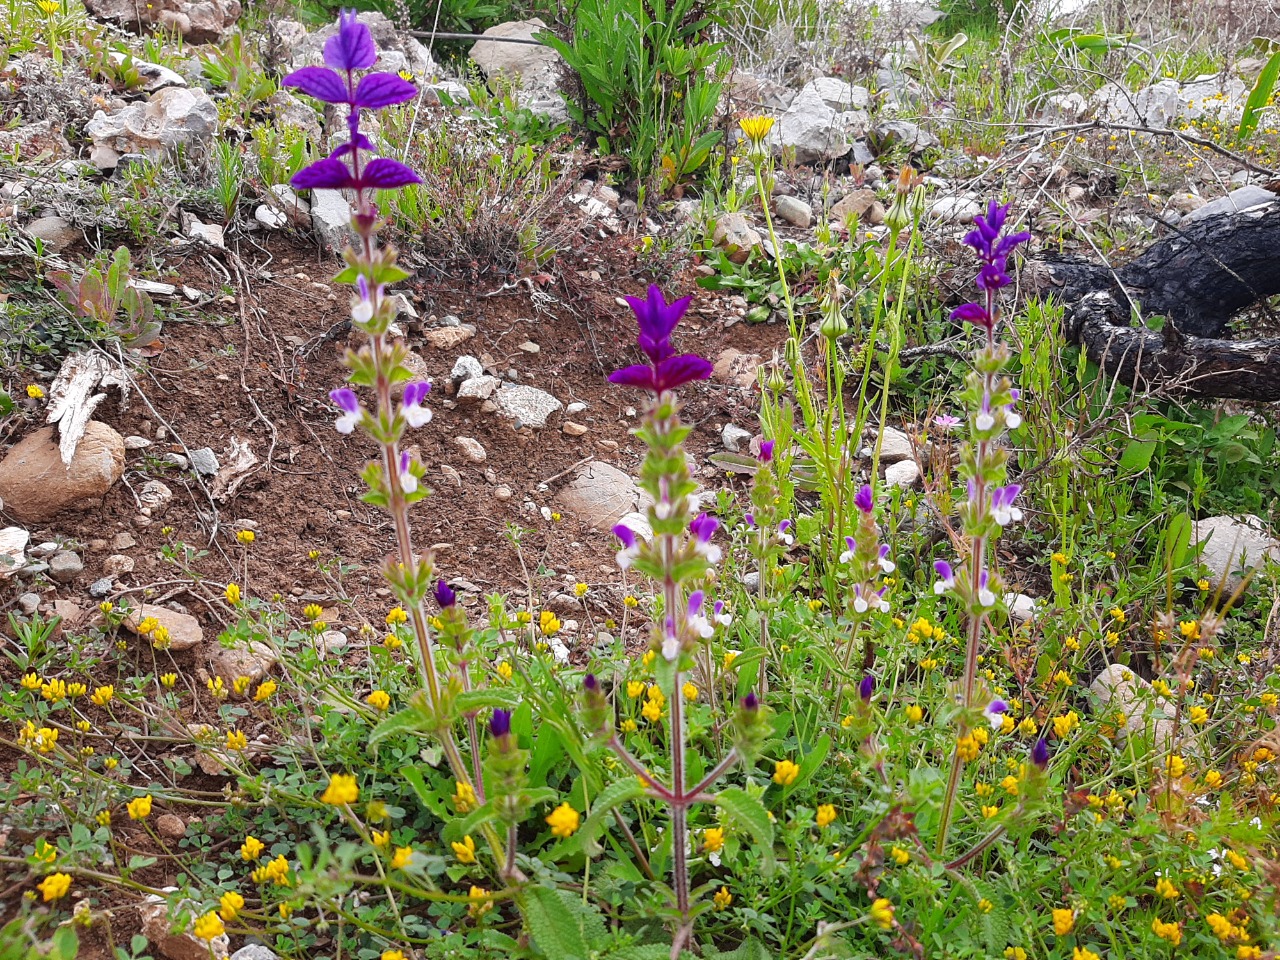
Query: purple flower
{"x": 766, "y": 451}
{"x": 973, "y": 313}
{"x": 986, "y": 597}
{"x": 408, "y": 482}
{"x": 1003, "y": 509}
{"x": 866, "y": 688}
{"x": 666, "y": 369}
{"x": 703, "y": 527}
{"x": 863, "y": 500}
{"x": 852, "y": 546}
{"x": 994, "y": 250}
{"x": 657, "y": 320}
{"x": 331, "y": 173}
{"x": 630, "y": 545}
{"x": 1040, "y": 753}
{"x": 500, "y": 723}
{"x": 590, "y": 683}
{"x": 719, "y": 615}
{"x": 886, "y": 565}
{"x": 783, "y": 535}
{"x": 351, "y": 49}
{"x": 946, "y": 577}
{"x": 750, "y": 703}
{"x": 444, "y": 595}
{"x": 696, "y": 622}
{"x": 411, "y": 409}
{"x": 346, "y": 401}
{"x": 750, "y": 520}
{"x": 994, "y": 713}
{"x": 946, "y": 421}
{"x": 664, "y": 375}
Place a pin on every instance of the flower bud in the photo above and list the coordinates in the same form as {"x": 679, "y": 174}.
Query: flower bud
{"x": 866, "y": 688}
{"x": 445, "y": 596}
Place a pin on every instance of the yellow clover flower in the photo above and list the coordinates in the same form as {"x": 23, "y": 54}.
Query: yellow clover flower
{"x": 564, "y": 821}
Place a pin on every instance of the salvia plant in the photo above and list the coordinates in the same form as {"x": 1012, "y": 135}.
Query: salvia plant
{"x": 990, "y": 399}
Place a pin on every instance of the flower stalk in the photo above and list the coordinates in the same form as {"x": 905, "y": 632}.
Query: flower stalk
{"x": 990, "y": 398}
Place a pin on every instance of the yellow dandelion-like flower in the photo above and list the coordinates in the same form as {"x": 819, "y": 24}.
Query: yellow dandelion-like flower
{"x": 564, "y": 821}
{"x": 34, "y": 390}
{"x": 341, "y": 790}
{"x": 54, "y": 886}
{"x": 881, "y": 913}
{"x": 755, "y": 129}
{"x": 245, "y": 537}
{"x": 785, "y": 773}
{"x": 465, "y": 851}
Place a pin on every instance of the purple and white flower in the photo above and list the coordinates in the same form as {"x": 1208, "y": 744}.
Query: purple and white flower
{"x": 1003, "y": 509}
{"x": 416, "y": 415}
{"x": 783, "y": 535}
{"x": 946, "y": 577}
{"x": 994, "y": 712}
{"x": 408, "y": 482}
{"x": 346, "y": 400}
{"x": 630, "y": 545}
{"x": 986, "y": 598}
{"x": 852, "y": 547}
{"x": 703, "y": 527}
{"x": 886, "y": 565}
{"x": 695, "y": 620}
{"x": 720, "y": 615}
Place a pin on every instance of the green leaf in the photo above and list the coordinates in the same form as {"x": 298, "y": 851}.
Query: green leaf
{"x": 472, "y": 701}
{"x": 408, "y": 721}
{"x": 1177, "y": 540}
{"x": 1258, "y": 97}
{"x": 745, "y": 812}
{"x": 553, "y": 927}
{"x": 1137, "y": 455}
{"x": 65, "y": 944}
{"x": 413, "y": 776}
{"x": 811, "y": 762}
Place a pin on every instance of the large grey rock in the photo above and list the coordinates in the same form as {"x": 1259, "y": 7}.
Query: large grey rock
{"x": 1133, "y": 705}
{"x": 331, "y": 217}
{"x": 185, "y": 631}
{"x": 735, "y": 234}
{"x": 65, "y": 566}
{"x": 36, "y": 486}
{"x": 535, "y": 67}
{"x": 1240, "y": 199}
{"x": 396, "y": 49}
{"x": 814, "y": 130}
{"x": 600, "y": 495}
{"x": 527, "y": 406}
{"x": 174, "y": 117}
{"x": 904, "y": 474}
{"x": 904, "y": 132}
{"x": 1234, "y": 547}
{"x": 794, "y": 210}
{"x": 955, "y": 209}
{"x": 1217, "y": 96}
{"x": 54, "y": 232}
{"x": 862, "y": 204}
{"x": 477, "y": 389}
{"x": 199, "y": 21}
{"x": 839, "y": 95}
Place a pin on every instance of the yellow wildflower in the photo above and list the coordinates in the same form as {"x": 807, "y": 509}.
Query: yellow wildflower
{"x": 914, "y": 713}
{"x": 245, "y": 537}
{"x": 785, "y": 773}
{"x": 342, "y": 789}
{"x": 1165, "y": 889}
{"x": 466, "y": 850}
{"x": 403, "y": 855}
{"x": 464, "y": 797}
{"x": 232, "y": 593}
{"x": 34, "y": 390}
{"x": 1199, "y": 716}
{"x": 713, "y": 839}
{"x": 236, "y": 740}
{"x": 635, "y": 688}
{"x": 396, "y": 615}
{"x": 882, "y": 913}
{"x": 1167, "y": 931}
{"x": 505, "y": 670}
{"x": 209, "y": 927}
{"x": 231, "y": 904}
{"x": 1175, "y": 766}
{"x": 755, "y": 129}
{"x": 548, "y": 623}
{"x": 167, "y": 680}
{"x": 480, "y": 902}
{"x": 1064, "y": 724}
{"x": 826, "y": 815}
{"x": 722, "y": 899}
{"x": 900, "y": 856}
{"x": 139, "y": 807}
{"x": 265, "y": 689}
{"x": 103, "y": 695}
{"x": 1064, "y": 919}
{"x": 252, "y": 848}
{"x": 564, "y": 821}
{"x": 380, "y": 700}
{"x": 54, "y": 886}
{"x": 31, "y": 681}
{"x": 690, "y": 691}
